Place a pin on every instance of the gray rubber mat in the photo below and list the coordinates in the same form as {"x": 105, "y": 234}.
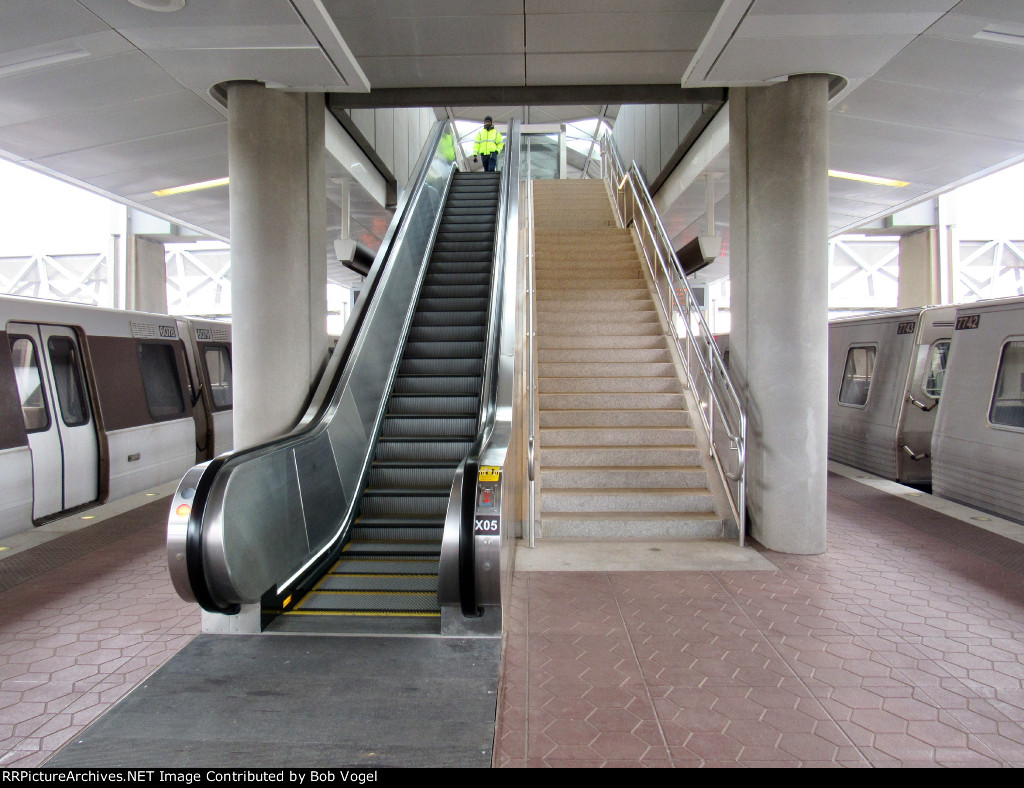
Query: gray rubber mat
{"x": 272, "y": 701}
{"x": 349, "y": 582}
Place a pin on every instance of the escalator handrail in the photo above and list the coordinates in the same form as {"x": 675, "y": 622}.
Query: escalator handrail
{"x": 322, "y": 399}
{"x": 489, "y": 384}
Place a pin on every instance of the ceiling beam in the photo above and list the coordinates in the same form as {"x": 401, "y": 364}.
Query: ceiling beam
{"x": 526, "y": 95}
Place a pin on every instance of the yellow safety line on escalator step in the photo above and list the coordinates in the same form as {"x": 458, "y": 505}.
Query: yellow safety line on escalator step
{"x": 410, "y": 614}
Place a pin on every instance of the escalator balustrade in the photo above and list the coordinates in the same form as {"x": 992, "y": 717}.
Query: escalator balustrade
{"x": 389, "y": 567}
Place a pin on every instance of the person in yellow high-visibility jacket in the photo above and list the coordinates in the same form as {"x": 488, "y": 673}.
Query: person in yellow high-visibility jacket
{"x": 488, "y": 144}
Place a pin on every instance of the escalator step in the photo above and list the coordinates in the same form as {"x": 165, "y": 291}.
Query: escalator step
{"x": 441, "y": 350}
{"x": 407, "y": 534}
{"x": 474, "y": 318}
{"x": 436, "y": 427}
{"x": 479, "y": 247}
{"x": 430, "y": 405}
{"x": 378, "y": 583}
{"x": 409, "y": 475}
{"x": 476, "y": 305}
{"x": 456, "y": 280}
{"x": 375, "y": 602}
{"x": 472, "y": 262}
{"x": 441, "y": 366}
{"x": 404, "y": 503}
{"x": 400, "y": 450}
{"x": 475, "y": 333}
{"x": 398, "y": 549}
{"x": 455, "y": 291}
{"x": 385, "y": 566}
{"x": 430, "y": 384}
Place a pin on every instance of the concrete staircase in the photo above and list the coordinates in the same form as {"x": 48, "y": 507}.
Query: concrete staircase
{"x": 617, "y": 452}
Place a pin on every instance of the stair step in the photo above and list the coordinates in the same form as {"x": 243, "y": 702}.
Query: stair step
{"x": 612, "y": 500}
{"x": 620, "y": 456}
{"x": 618, "y": 417}
{"x": 610, "y": 401}
{"x": 638, "y": 525}
{"x": 604, "y": 369}
{"x": 616, "y": 436}
{"x": 649, "y": 477}
{"x": 636, "y": 355}
{"x": 607, "y": 385}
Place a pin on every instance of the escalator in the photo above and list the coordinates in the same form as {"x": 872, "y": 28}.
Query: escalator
{"x": 389, "y": 568}
{"x": 362, "y": 519}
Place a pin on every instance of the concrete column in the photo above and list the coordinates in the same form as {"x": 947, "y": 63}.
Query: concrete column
{"x": 778, "y": 227}
{"x": 278, "y": 256}
{"x": 919, "y": 269}
{"x": 146, "y": 274}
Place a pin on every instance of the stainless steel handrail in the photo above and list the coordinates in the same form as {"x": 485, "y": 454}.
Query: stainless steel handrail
{"x": 531, "y": 373}
{"x": 469, "y": 575}
{"x": 723, "y": 403}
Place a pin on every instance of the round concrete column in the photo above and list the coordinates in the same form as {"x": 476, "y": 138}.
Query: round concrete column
{"x": 278, "y": 256}
{"x": 778, "y": 227}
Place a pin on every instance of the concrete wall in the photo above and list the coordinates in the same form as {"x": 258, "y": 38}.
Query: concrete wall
{"x": 650, "y": 134}
{"x": 397, "y": 136}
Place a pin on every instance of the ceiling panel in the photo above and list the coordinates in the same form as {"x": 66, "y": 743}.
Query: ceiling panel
{"x": 138, "y": 184}
{"x": 155, "y": 151}
{"x": 935, "y": 109}
{"x": 391, "y": 9}
{"x": 607, "y": 68}
{"x": 20, "y": 27}
{"x": 453, "y": 71}
{"x": 133, "y": 120}
{"x": 838, "y": 25}
{"x": 971, "y": 68}
{"x": 445, "y": 35}
{"x": 607, "y": 32}
{"x": 81, "y": 87}
{"x": 854, "y": 57}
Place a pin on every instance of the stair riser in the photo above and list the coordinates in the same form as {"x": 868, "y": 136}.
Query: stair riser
{"x": 612, "y": 503}
{"x": 625, "y": 456}
{"x": 597, "y": 369}
{"x": 614, "y": 418}
{"x": 635, "y": 479}
{"x": 631, "y": 528}
{"x": 608, "y": 385}
{"x": 636, "y": 401}
{"x": 620, "y": 436}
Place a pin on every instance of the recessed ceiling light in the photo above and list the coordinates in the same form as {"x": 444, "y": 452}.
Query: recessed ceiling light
{"x": 159, "y": 5}
{"x": 192, "y": 187}
{"x": 853, "y": 176}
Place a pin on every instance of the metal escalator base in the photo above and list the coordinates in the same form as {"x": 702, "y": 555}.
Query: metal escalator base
{"x": 385, "y": 580}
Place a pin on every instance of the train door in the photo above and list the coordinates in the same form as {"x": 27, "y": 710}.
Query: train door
{"x": 59, "y": 421}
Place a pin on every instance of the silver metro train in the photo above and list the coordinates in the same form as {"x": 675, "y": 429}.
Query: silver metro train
{"x": 97, "y": 404}
{"x": 934, "y": 395}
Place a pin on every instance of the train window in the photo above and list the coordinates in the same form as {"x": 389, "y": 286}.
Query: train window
{"x": 860, "y": 363}
{"x": 218, "y": 367}
{"x": 30, "y": 384}
{"x": 936, "y": 368}
{"x": 67, "y": 376}
{"x": 1008, "y": 400}
{"x": 161, "y": 380}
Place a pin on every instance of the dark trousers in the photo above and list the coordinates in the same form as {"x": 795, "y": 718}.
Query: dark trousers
{"x": 489, "y": 161}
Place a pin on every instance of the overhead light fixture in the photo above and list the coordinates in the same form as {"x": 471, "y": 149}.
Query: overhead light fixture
{"x": 853, "y": 176}
{"x": 164, "y": 6}
{"x": 192, "y": 187}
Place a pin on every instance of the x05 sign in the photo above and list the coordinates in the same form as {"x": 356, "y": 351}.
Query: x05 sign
{"x": 487, "y": 526}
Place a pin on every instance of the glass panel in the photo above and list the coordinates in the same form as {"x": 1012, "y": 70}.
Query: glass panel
{"x": 30, "y": 384}
{"x": 218, "y": 367}
{"x": 67, "y": 377}
{"x": 860, "y": 362}
{"x": 1008, "y": 401}
{"x": 161, "y": 381}
{"x": 936, "y": 369}
{"x": 540, "y": 159}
